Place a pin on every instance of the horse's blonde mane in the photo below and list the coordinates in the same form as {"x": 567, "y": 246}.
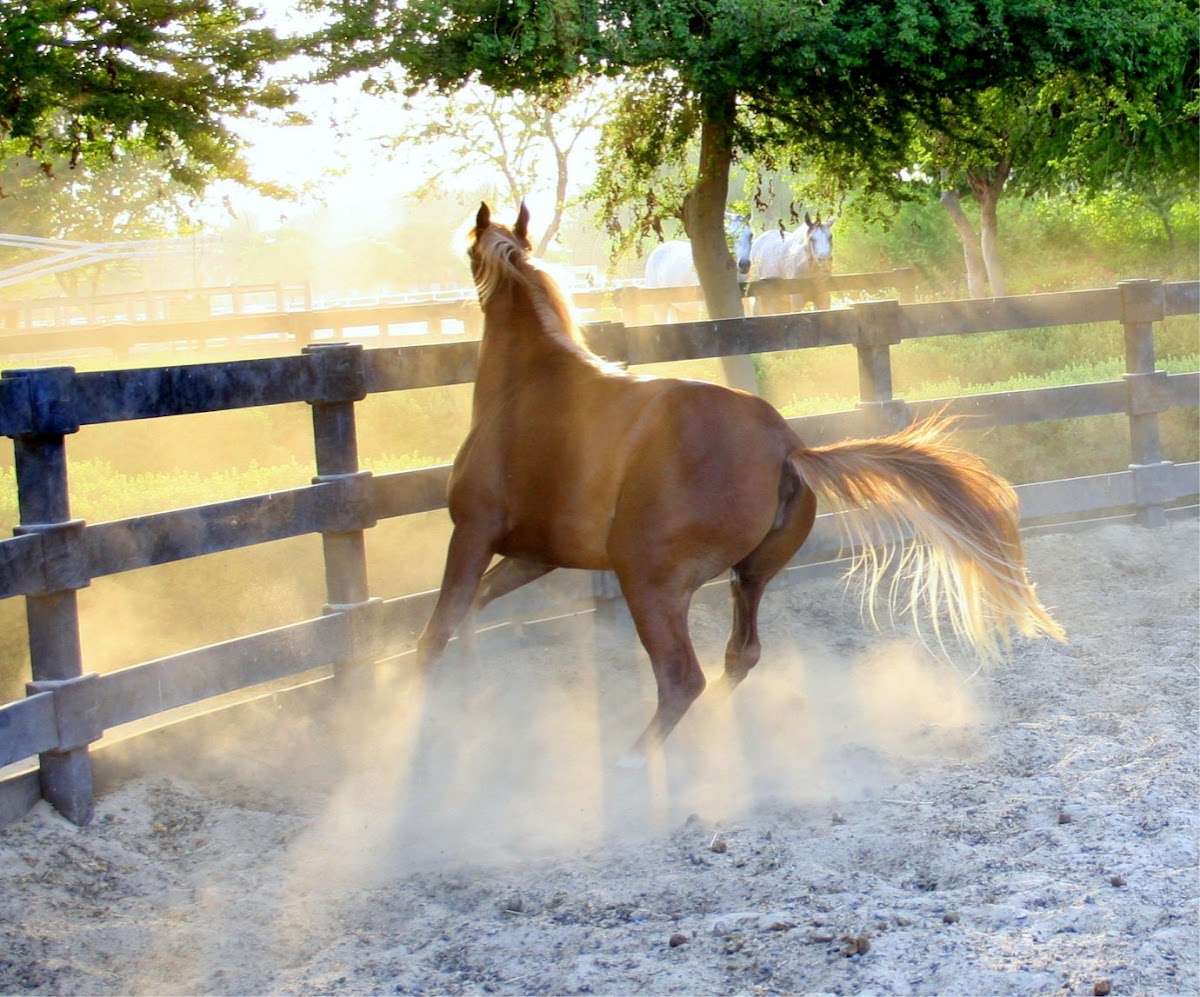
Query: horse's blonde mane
{"x": 500, "y": 257}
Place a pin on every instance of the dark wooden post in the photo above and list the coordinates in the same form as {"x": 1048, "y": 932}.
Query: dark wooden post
{"x": 879, "y": 328}
{"x": 52, "y": 614}
{"x": 1142, "y": 304}
{"x": 339, "y": 384}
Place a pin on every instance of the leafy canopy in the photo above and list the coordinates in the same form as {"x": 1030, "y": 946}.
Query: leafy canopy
{"x": 844, "y": 84}
{"x": 97, "y": 79}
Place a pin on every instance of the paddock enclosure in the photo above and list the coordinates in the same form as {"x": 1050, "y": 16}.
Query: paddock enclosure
{"x": 863, "y": 818}
{"x": 279, "y": 317}
{"x": 45, "y": 737}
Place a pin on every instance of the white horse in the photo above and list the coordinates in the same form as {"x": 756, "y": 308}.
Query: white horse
{"x": 671, "y": 263}
{"x": 805, "y": 252}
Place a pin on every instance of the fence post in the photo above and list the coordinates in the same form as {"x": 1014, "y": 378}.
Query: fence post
{"x": 611, "y": 341}
{"x": 340, "y": 382}
{"x": 879, "y": 328}
{"x": 1142, "y": 304}
{"x": 52, "y": 614}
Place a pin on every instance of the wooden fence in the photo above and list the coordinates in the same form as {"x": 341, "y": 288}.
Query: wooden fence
{"x": 222, "y": 318}
{"x": 52, "y": 556}
{"x": 150, "y": 306}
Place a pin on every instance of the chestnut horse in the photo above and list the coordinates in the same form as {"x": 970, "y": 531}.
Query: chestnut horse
{"x": 574, "y": 462}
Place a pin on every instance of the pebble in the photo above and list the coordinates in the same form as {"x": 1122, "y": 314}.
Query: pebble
{"x": 1102, "y": 988}
{"x": 857, "y": 944}
{"x": 678, "y": 939}
{"x": 1118, "y": 880}
{"x": 951, "y": 917}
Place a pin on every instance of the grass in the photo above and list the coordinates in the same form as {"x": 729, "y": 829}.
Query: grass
{"x": 947, "y": 387}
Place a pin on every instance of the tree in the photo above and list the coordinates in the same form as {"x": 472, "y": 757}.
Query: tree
{"x": 846, "y": 84}
{"x": 1132, "y": 123}
{"x": 103, "y": 201}
{"x": 518, "y": 135}
{"x": 111, "y": 77}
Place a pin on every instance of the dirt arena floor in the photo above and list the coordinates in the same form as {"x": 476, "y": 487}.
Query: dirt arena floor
{"x": 865, "y": 816}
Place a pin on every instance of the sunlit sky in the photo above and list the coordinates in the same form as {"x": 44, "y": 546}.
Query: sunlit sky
{"x": 337, "y": 159}
{"x": 340, "y": 160}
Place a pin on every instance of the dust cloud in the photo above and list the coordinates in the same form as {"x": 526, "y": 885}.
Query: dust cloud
{"x": 510, "y": 753}
{"x": 1021, "y": 830}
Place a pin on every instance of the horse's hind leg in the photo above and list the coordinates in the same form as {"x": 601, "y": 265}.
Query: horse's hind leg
{"x": 750, "y": 576}
{"x": 504, "y": 576}
{"x": 507, "y": 575}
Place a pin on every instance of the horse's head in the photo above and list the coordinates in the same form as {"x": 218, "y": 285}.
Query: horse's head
{"x": 504, "y": 271}
{"x": 739, "y": 231}
{"x": 820, "y": 242}
{"x": 492, "y": 245}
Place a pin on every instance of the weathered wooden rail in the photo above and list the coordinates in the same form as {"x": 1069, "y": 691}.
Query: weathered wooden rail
{"x": 52, "y": 556}
{"x": 126, "y": 307}
{"x": 118, "y": 324}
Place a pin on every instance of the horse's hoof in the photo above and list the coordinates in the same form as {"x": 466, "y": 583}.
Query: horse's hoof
{"x": 632, "y": 761}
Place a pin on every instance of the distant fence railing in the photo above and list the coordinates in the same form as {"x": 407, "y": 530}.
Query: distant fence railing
{"x": 159, "y": 305}
{"x": 52, "y": 556}
{"x": 283, "y": 316}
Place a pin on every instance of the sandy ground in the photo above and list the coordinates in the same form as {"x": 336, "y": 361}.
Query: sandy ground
{"x": 866, "y": 816}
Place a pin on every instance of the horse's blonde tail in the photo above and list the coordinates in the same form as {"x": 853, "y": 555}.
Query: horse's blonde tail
{"x": 944, "y": 521}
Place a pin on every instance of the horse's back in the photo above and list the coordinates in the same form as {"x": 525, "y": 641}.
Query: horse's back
{"x": 623, "y": 454}
{"x": 766, "y": 254}
{"x": 796, "y": 257}
{"x": 670, "y": 265}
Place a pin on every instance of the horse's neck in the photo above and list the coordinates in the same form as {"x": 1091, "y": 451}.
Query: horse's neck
{"x": 800, "y": 253}
{"x": 517, "y": 343}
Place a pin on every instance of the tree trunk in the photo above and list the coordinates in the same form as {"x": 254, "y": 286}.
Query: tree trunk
{"x": 560, "y": 185}
{"x": 704, "y": 220}
{"x": 987, "y": 186}
{"x": 972, "y": 256}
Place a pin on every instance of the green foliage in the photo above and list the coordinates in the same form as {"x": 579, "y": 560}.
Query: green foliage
{"x": 114, "y": 78}
{"x": 1048, "y": 243}
{"x": 840, "y": 89}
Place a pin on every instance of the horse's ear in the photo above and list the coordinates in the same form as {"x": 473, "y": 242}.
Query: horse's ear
{"x": 483, "y": 217}
{"x": 808, "y": 219}
{"x": 521, "y": 229}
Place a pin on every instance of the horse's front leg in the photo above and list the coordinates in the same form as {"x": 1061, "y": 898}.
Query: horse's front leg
{"x": 470, "y": 552}
{"x": 661, "y": 617}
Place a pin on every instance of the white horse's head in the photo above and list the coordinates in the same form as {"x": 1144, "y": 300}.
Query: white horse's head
{"x": 819, "y": 238}
{"x": 737, "y": 227}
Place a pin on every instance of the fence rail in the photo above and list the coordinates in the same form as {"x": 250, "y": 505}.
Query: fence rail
{"x": 119, "y": 324}
{"x": 52, "y": 556}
